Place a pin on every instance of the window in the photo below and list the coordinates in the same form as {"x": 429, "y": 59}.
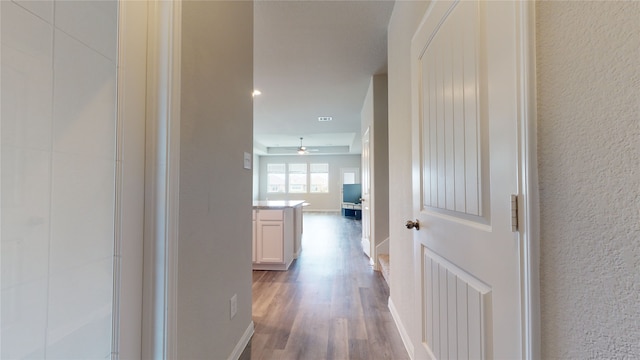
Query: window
{"x": 300, "y": 178}
{"x": 275, "y": 178}
{"x": 297, "y": 178}
{"x": 319, "y": 178}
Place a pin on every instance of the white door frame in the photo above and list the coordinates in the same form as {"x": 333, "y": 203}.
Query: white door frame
{"x": 129, "y": 191}
{"x": 148, "y": 330}
{"x": 162, "y": 173}
{"x": 529, "y": 211}
{"x": 367, "y": 196}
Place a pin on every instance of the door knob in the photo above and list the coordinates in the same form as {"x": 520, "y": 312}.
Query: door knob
{"x": 413, "y": 224}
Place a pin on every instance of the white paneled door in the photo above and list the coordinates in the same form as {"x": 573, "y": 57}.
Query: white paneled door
{"x": 465, "y": 85}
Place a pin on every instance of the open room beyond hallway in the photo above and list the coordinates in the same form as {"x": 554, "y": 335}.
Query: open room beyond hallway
{"x": 330, "y": 304}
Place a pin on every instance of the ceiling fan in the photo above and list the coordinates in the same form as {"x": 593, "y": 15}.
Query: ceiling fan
{"x": 302, "y": 149}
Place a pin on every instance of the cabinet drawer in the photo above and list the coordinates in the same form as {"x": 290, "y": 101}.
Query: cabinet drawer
{"x": 270, "y": 215}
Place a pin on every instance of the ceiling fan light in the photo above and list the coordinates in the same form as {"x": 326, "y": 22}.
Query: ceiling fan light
{"x": 302, "y": 149}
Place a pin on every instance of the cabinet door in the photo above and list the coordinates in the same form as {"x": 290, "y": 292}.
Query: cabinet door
{"x": 271, "y": 247}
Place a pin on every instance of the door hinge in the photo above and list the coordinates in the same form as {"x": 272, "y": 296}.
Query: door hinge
{"x": 514, "y": 213}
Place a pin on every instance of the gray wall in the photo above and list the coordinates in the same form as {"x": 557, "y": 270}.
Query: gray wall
{"x": 375, "y": 115}
{"x": 588, "y": 69}
{"x": 215, "y": 190}
{"x": 380, "y": 169}
{"x": 320, "y": 202}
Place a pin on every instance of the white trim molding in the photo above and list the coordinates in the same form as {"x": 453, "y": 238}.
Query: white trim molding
{"x": 404, "y": 334}
{"x": 129, "y": 189}
{"x": 117, "y": 228}
{"x": 242, "y": 344}
{"x": 162, "y": 171}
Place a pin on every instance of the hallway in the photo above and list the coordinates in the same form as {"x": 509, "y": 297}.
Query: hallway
{"x": 329, "y": 305}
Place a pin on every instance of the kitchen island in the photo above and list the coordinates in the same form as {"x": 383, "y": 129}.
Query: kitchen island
{"x": 277, "y": 233}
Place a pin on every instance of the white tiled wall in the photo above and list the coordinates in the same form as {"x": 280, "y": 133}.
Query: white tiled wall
{"x": 58, "y": 116}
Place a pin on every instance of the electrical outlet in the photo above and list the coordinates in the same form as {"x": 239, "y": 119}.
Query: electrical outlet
{"x": 234, "y": 305}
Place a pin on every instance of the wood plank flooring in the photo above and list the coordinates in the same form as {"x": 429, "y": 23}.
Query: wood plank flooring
{"x": 330, "y": 304}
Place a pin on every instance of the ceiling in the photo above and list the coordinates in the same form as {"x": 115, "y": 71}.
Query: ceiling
{"x": 315, "y": 58}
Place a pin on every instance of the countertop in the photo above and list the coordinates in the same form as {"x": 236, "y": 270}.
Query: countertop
{"x": 276, "y": 204}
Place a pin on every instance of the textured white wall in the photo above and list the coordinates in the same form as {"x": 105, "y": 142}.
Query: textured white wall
{"x": 215, "y": 190}
{"x": 588, "y": 64}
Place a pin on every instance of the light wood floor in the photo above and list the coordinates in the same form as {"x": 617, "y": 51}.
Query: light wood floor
{"x": 329, "y": 305}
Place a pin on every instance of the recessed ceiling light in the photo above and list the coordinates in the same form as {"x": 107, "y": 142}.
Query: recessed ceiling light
{"x": 256, "y": 92}
{"x": 325, "y": 118}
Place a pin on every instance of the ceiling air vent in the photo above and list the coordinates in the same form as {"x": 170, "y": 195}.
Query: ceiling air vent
{"x": 325, "y": 118}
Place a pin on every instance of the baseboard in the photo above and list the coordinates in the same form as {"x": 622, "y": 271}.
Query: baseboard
{"x": 366, "y": 247}
{"x": 408, "y": 345}
{"x": 382, "y": 247}
{"x": 244, "y": 340}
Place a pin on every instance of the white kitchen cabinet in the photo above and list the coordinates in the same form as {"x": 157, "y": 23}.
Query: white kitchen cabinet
{"x": 273, "y": 239}
{"x": 270, "y": 237}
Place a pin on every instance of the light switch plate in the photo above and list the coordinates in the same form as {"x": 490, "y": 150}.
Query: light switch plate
{"x": 247, "y": 161}
{"x": 234, "y": 305}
